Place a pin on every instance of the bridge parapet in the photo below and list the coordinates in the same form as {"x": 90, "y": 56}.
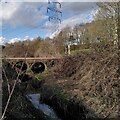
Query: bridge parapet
{"x": 48, "y": 62}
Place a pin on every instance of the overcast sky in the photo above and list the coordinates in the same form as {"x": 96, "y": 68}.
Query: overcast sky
{"x": 23, "y": 20}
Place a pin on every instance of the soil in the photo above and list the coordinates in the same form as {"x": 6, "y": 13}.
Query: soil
{"x": 92, "y": 78}
{"x": 19, "y": 106}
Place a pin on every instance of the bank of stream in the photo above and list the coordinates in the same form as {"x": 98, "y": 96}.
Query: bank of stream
{"x": 86, "y": 89}
{"x": 58, "y": 106}
{"x": 46, "y": 109}
{"x": 45, "y": 103}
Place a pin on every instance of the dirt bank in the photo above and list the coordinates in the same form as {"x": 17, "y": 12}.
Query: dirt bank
{"x": 91, "y": 78}
{"x": 19, "y": 106}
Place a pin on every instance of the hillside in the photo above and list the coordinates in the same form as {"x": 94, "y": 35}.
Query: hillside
{"x": 91, "y": 78}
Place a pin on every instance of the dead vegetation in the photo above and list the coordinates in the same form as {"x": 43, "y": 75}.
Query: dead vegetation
{"x": 89, "y": 77}
{"x": 92, "y": 78}
{"x": 14, "y": 103}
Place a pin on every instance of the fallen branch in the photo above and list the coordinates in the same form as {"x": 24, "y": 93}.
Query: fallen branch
{"x": 11, "y": 93}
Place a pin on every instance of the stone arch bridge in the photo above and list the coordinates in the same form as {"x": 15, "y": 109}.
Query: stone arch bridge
{"x": 47, "y": 62}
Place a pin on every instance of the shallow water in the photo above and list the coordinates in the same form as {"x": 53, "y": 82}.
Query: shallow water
{"x": 46, "y": 109}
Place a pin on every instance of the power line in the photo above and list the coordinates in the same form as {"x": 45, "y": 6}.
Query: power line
{"x": 55, "y": 14}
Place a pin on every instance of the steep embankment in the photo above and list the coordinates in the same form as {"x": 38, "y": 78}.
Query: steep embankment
{"x": 91, "y": 78}
{"x": 19, "y": 106}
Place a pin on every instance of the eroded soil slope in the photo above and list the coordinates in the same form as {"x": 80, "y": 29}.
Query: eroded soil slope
{"x": 91, "y": 78}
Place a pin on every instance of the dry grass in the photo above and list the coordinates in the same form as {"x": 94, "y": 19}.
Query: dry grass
{"x": 92, "y": 78}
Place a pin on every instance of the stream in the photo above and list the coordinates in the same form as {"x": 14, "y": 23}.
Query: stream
{"x": 46, "y": 109}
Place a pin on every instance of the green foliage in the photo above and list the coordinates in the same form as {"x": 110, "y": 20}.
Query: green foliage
{"x": 39, "y": 77}
{"x": 75, "y": 52}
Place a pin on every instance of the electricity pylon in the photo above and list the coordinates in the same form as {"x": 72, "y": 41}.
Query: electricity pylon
{"x": 54, "y": 11}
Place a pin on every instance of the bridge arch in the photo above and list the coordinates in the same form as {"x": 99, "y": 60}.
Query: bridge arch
{"x": 21, "y": 65}
{"x": 38, "y": 67}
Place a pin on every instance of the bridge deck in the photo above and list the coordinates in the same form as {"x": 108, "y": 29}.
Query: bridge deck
{"x": 35, "y": 58}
